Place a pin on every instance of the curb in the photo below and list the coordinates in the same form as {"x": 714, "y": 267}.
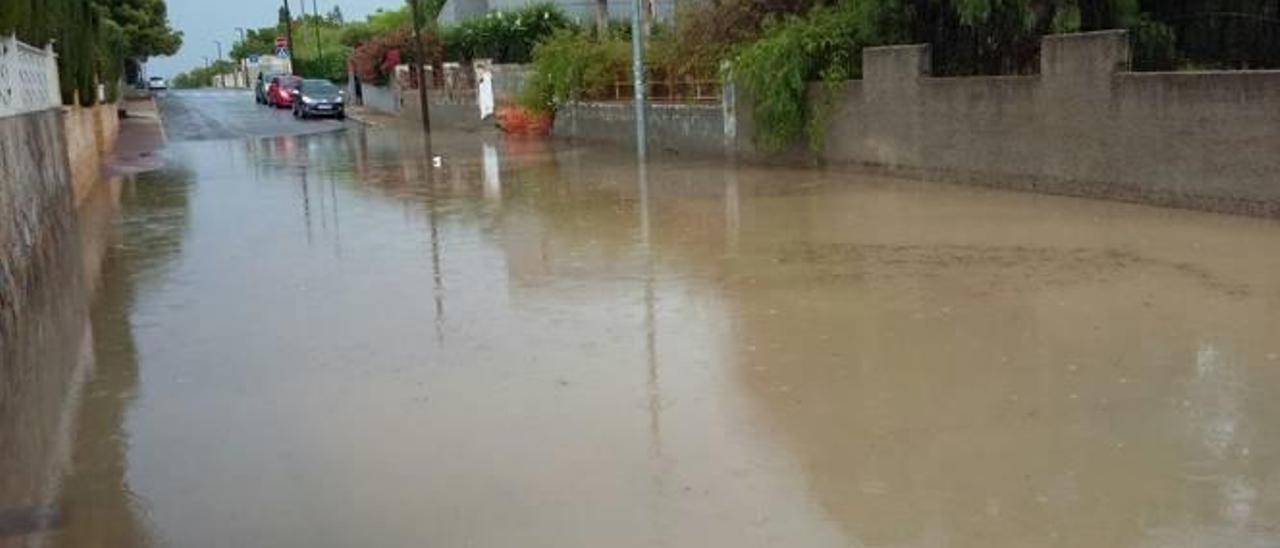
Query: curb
{"x": 360, "y": 117}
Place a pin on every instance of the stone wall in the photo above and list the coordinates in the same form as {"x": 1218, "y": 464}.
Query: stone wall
{"x": 671, "y": 127}
{"x": 91, "y": 134}
{"x": 456, "y": 110}
{"x": 1083, "y": 126}
{"x": 35, "y": 204}
{"x": 448, "y": 110}
{"x": 382, "y": 98}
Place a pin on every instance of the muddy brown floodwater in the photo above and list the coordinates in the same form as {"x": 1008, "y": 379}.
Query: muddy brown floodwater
{"x": 323, "y": 341}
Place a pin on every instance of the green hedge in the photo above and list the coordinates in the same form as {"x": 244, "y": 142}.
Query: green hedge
{"x": 505, "y": 36}
{"x": 330, "y": 67}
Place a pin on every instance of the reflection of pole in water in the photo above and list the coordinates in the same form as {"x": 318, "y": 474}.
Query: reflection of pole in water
{"x": 436, "y": 276}
{"x": 306, "y": 204}
{"x": 650, "y": 298}
{"x": 732, "y": 204}
{"x": 324, "y": 209}
{"x": 653, "y": 379}
{"x": 337, "y": 228}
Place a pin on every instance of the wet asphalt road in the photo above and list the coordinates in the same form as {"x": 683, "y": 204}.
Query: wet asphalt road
{"x": 326, "y": 340}
{"x": 207, "y": 114}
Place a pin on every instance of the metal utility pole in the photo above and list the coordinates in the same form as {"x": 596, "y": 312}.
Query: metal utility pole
{"x": 420, "y": 59}
{"x": 219, "y": 44}
{"x": 637, "y": 74}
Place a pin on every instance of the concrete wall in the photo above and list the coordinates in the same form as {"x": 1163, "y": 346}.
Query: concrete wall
{"x": 35, "y": 201}
{"x": 674, "y": 127}
{"x": 50, "y": 161}
{"x": 90, "y": 134}
{"x": 383, "y": 98}
{"x": 1083, "y": 126}
{"x": 448, "y": 110}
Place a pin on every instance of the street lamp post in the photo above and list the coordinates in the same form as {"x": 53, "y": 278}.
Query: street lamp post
{"x": 637, "y": 74}
{"x": 219, "y": 44}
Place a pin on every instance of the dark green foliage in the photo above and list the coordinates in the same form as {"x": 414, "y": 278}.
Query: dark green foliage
{"x": 260, "y": 41}
{"x": 326, "y": 58}
{"x": 93, "y": 38}
{"x": 823, "y": 44}
{"x": 571, "y": 65}
{"x": 709, "y": 32}
{"x": 1227, "y": 34}
{"x": 331, "y": 67}
{"x": 354, "y": 34}
{"x": 144, "y": 26}
{"x": 504, "y": 36}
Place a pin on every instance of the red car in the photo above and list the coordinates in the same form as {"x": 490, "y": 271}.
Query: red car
{"x": 280, "y": 91}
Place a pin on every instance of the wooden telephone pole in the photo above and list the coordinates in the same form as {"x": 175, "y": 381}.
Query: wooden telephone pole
{"x": 420, "y": 59}
{"x": 287, "y": 18}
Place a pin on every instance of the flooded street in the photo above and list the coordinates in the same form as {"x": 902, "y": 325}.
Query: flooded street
{"x": 323, "y": 340}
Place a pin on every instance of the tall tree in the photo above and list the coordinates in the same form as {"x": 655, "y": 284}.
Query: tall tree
{"x": 145, "y": 25}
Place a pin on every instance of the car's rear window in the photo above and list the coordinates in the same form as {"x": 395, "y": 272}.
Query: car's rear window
{"x": 319, "y": 87}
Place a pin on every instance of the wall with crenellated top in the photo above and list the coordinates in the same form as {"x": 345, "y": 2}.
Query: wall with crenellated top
{"x": 1083, "y": 126}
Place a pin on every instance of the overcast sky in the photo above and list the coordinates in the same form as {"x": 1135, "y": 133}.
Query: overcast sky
{"x": 203, "y": 21}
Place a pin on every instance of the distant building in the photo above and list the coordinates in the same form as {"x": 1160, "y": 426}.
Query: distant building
{"x": 584, "y": 11}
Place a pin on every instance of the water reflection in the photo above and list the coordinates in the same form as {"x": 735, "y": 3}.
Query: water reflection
{"x": 63, "y": 421}
{"x": 339, "y": 338}
{"x": 102, "y": 508}
{"x": 44, "y": 359}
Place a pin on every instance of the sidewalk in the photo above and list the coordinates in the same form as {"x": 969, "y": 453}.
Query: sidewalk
{"x": 373, "y": 117}
{"x": 141, "y": 136}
